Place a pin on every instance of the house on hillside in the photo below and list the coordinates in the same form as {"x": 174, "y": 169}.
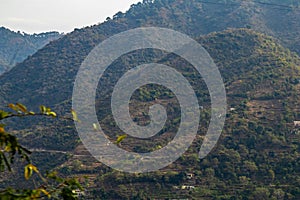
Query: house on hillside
{"x": 187, "y": 187}
{"x": 297, "y": 124}
{"x": 78, "y": 193}
{"x": 232, "y": 109}
{"x": 189, "y": 176}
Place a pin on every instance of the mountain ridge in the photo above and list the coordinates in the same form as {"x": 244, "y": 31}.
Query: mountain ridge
{"x": 85, "y": 39}
{"x": 257, "y": 104}
{"x": 257, "y": 156}
{"x": 17, "y": 46}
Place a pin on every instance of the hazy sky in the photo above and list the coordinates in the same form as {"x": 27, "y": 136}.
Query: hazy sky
{"x": 34, "y": 16}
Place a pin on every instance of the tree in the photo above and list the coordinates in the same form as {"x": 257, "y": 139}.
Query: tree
{"x": 260, "y": 193}
{"x": 53, "y": 186}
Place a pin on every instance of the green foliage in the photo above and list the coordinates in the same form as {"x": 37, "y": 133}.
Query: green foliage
{"x": 10, "y": 147}
{"x": 257, "y": 154}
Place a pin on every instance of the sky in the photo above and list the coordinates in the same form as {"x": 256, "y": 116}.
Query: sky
{"x": 35, "y": 16}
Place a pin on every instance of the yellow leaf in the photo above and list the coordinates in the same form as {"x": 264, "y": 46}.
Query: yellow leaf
{"x": 7, "y": 148}
{"x": 31, "y": 113}
{"x": 95, "y": 126}
{"x": 46, "y": 193}
{"x": 21, "y": 107}
{"x": 75, "y": 117}
{"x": 3, "y": 114}
{"x": 121, "y": 138}
{"x": 2, "y": 130}
{"x": 53, "y": 114}
{"x": 12, "y": 106}
{"x": 42, "y": 109}
{"x": 34, "y": 168}
{"x": 27, "y": 172}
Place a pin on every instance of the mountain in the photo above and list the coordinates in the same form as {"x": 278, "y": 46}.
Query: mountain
{"x": 258, "y": 150}
{"x": 16, "y": 46}
{"x": 257, "y": 156}
{"x": 194, "y": 18}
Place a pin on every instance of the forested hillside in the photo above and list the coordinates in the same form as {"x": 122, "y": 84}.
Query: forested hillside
{"x": 16, "y": 47}
{"x": 193, "y": 17}
{"x": 256, "y": 48}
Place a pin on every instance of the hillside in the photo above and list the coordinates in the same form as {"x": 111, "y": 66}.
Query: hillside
{"x": 258, "y": 154}
{"x": 16, "y": 46}
{"x": 252, "y": 157}
{"x": 260, "y": 82}
{"x": 193, "y": 17}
